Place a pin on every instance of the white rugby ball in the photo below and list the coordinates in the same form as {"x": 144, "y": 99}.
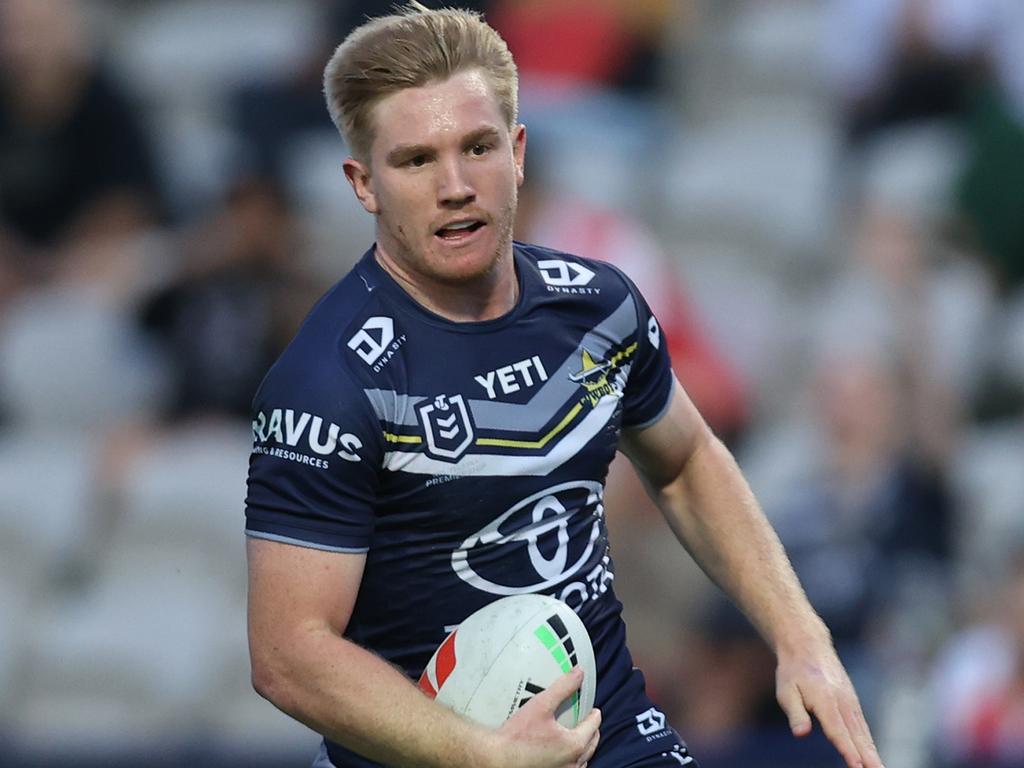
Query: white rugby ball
{"x": 507, "y": 652}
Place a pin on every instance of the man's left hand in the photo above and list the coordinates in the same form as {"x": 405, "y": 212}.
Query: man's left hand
{"x": 817, "y": 684}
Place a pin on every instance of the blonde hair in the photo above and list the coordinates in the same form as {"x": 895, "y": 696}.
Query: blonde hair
{"x": 408, "y": 49}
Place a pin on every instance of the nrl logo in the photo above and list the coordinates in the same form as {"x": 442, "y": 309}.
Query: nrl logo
{"x": 447, "y": 427}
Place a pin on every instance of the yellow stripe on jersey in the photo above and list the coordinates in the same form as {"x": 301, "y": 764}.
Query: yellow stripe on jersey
{"x": 500, "y": 443}
{"x": 414, "y": 439}
{"x": 619, "y": 356}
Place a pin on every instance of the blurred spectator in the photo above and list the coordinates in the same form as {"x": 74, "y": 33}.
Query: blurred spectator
{"x": 271, "y": 115}
{"x": 868, "y": 519}
{"x": 75, "y": 167}
{"x": 978, "y": 685}
{"x": 219, "y": 324}
{"x": 902, "y": 61}
{"x": 876, "y": 506}
{"x": 237, "y": 303}
{"x": 916, "y": 60}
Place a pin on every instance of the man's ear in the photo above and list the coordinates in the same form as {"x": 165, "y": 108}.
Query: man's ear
{"x": 358, "y": 175}
{"x": 519, "y": 152}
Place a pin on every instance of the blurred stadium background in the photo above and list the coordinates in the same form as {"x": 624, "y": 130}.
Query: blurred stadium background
{"x": 822, "y": 199}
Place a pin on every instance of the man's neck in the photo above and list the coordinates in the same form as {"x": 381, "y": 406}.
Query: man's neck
{"x": 486, "y": 298}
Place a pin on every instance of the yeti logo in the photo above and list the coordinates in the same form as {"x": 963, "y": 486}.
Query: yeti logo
{"x": 447, "y": 426}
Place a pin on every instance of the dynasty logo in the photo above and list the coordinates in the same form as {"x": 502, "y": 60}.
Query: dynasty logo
{"x": 566, "y": 277}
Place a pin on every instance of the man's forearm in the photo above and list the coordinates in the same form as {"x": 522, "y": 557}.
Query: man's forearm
{"x": 715, "y": 516}
{"x": 357, "y": 699}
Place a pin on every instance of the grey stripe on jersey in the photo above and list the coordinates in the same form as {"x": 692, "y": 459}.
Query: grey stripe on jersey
{"x": 399, "y": 409}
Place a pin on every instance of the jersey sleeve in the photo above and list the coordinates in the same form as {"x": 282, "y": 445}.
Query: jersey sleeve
{"x": 317, "y": 452}
{"x": 649, "y": 387}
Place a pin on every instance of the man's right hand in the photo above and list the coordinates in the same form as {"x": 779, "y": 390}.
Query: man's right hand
{"x": 533, "y": 738}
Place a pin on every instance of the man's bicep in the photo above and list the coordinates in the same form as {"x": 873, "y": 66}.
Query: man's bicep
{"x": 292, "y": 587}
{"x": 660, "y": 451}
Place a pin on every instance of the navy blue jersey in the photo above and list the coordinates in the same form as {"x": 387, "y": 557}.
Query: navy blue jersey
{"x": 467, "y": 460}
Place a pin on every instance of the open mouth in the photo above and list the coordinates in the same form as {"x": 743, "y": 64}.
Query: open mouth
{"x": 459, "y": 230}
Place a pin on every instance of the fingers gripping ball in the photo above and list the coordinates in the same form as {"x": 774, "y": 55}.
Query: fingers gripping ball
{"x": 506, "y": 653}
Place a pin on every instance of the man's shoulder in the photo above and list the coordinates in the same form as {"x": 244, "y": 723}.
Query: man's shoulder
{"x": 323, "y": 354}
{"x": 570, "y": 274}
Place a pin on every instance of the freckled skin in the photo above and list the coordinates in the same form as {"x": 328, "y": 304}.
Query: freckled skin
{"x": 464, "y": 162}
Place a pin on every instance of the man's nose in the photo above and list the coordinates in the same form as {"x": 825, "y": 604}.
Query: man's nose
{"x": 454, "y": 186}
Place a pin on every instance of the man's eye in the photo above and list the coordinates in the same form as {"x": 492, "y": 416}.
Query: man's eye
{"x": 480, "y": 149}
{"x": 418, "y": 161}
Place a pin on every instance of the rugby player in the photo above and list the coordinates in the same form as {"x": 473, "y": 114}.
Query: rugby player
{"x": 439, "y": 432}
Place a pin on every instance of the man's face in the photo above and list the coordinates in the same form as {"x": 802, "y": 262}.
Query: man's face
{"x": 442, "y": 179}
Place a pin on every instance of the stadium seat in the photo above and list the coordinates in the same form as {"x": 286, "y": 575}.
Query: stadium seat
{"x": 196, "y": 48}
{"x": 340, "y": 228}
{"x": 759, "y": 341}
{"x": 987, "y": 472}
{"x": 187, "y": 488}
{"x": 17, "y": 590}
{"x": 775, "y": 47}
{"x": 130, "y": 658}
{"x": 46, "y": 494}
{"x": 759, "y": 173}
{"x": 70, "y": 359}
